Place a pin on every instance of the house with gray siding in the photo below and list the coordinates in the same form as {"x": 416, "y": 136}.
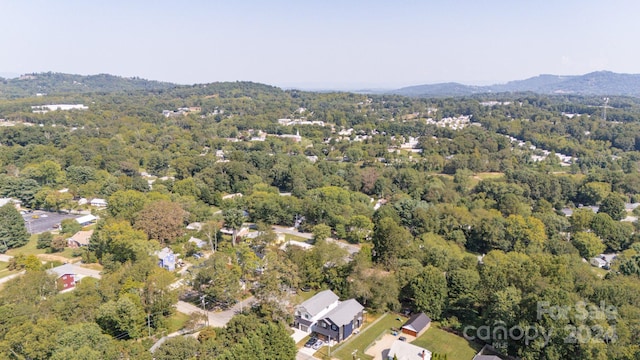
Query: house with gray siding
{"x": 339, "y": 323}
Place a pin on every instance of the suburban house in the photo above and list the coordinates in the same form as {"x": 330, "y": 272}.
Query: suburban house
{"x": 195, "y": 226}
{"x": 416, "y": 325}
{"x": 310, "y": 311}
{"x": 99, "y": 202}
{"x": 603, "y": 260}
{"x": 166, "y": 259}
{"x": 328, "y": 317}
{"x": 86, "y": 220}
{"x": 402, "y": 350}
{"x": 198, "y": 242}
{"x": 79, "y": 239}
{"x": 489, "y": 353}
{"x": 68, "y": 275}
{"x": 339, "y": 323}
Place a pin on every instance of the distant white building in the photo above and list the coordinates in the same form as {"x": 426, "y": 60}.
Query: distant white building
{"x": 42, "y": 109}
{"x": 86, "y": 219}
{"x": 99, "y": 202}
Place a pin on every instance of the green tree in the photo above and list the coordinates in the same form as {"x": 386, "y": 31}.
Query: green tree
{"x": 321, "y": 232}
{"x": 120, "y": 240}
{"x": 219, "y": 279}
{"x": 614, "y": 206}
{"x": 233, "y": 218}
{"x": 390, "y": 241}
{"x": 429, "y": 292}
{"x": 70, "y": 226}
{"x": 123, "y": 318}
{"x": 126, "y": 204}
{"x": 360, "y": 229}
{"x": 581, "y": 219}
{"x": 83, "y": 341}
{"x": 13, "y": 232}
{"x": 178, "y": 348}
{"x": 588, "y": 244}
{"x": 44, "y": 240}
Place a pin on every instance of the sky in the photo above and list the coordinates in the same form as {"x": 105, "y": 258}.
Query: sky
{"x": 330, "y": 44}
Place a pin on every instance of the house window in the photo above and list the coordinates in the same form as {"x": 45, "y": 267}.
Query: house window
{"x": 324, "y": 324}
{"x": 306, "y": 316}
{"x": 334, "y": 327}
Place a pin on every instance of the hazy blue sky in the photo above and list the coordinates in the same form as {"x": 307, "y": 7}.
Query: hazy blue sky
{"x": 318, "y": 44}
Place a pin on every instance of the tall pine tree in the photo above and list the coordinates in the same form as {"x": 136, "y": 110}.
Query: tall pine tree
{"x": 13, "y": 232}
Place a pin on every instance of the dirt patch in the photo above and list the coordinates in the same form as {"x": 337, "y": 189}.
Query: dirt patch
{"x": 53, "y": 257}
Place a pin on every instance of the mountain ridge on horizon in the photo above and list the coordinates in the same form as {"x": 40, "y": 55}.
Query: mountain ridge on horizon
{"x": 593, "y": 83}
{"x": 600, "y": 83}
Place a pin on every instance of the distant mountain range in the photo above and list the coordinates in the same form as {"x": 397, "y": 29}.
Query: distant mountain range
{"x": 599, "y": 83}
{"x": 58, "y": 83}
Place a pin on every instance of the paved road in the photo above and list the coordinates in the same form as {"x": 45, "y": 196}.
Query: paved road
{"x": 216, "y": 319}
{"x": 11, "y": 277}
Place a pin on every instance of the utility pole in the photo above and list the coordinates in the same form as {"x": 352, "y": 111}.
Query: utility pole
{"x": 206, "y": 315}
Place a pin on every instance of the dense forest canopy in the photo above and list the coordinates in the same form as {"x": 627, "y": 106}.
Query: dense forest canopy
{"x": 457, "y": 206}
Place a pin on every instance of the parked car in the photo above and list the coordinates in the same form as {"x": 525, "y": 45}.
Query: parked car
{"x": 402, "y": 338}
{"x": 317, "y": 345}
{"x": 311, "y": 342}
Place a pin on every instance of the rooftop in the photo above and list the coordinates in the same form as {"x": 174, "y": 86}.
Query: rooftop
{"x": 319, "y": 302}
{"x": 343, "y": 313}
{"x": 404, "y": 351}
{"x": 74, "y": 269}
{"x": 417, "y": 322}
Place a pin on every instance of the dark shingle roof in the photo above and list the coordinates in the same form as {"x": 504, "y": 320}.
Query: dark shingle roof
{"x": 417, "y": 322}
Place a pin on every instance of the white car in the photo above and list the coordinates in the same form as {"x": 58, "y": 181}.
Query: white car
{"x": 317, "y": 345}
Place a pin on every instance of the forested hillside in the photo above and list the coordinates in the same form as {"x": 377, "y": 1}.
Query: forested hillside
{"x": 29, "y": 85}
{"x": 457, "y": 207}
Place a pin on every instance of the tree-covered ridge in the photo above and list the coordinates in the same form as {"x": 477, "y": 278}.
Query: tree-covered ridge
{"x": 29, "y": 85}
{"x": 421, "y": 202}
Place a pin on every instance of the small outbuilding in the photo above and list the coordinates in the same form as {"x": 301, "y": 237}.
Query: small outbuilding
{"x": 417, "y": 324}
{"x": 80, "y": 239}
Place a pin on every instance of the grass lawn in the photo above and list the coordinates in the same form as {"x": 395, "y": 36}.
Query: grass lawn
{"x": 176, "y": 321}
{"x": 31, "y": 249}
{"x": 302, "y": 296}
{"x": 4, "y": 271}
{"x": 368, "y": 334}
{"x": 28, "y": 249}
{"x": 289, "y": 237}
{"x": 439, "y": 341}
{"x": 475, "y": 179}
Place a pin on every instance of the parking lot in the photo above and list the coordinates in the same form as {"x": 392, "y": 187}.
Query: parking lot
{"x": 40, "y": 221}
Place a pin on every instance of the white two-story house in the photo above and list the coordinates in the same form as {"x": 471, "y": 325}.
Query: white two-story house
{"x": 314, "y": 309}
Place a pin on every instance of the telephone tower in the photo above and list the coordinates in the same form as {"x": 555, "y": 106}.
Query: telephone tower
{"x": 604, "y": 109}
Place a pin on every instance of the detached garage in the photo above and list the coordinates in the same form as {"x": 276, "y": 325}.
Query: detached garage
{"x": 416, "y": 325}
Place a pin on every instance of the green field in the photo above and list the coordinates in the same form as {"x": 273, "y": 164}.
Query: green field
{"x": 439, "y": 341}
{"x": 31, "y": 249}
{"x": 366, "y": 337}
{"x": 4, "y": 271}
{"x": 176, "y": 321}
